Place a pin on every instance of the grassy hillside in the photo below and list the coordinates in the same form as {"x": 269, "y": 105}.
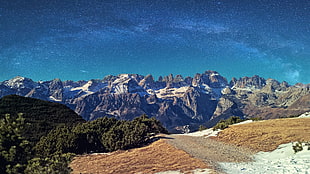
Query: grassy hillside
{"x": 157, "y": 157}
{"x": 41, "y": 116}
{"x": 267, "y": 135}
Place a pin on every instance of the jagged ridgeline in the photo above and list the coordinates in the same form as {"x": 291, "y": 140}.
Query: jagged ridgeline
{"x": 41, "y": 116}
{"x": 177, "y": 102}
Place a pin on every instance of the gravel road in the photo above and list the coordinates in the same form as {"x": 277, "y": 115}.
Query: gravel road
{"x": 209, "y": 150}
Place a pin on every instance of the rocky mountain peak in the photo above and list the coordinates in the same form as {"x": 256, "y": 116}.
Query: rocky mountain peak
{"x": 127, "y": 83}
{"x": 148, "y": 82}
{"x": 56, "y": 84}
{"x": 248, "y": 82}
{"x": 216, "y": 80}
{"x": 20, "y": 82}
{"x": 168, "y": 79}
{"x": 178, "y": 79}
{"x": 210, "y": 78}
{"x": 160, "y": 79}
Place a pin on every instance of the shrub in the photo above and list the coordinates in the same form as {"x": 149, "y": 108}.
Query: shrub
{"x": 129, "y": 134}
{"x": 202, "y": 127}
{"x": 14, "y": 148}
{"x": 223, "y": 124}
{"x": 297, "y": 147}
{"x": 55, "y": 164}
{"x": 256, "y": 119}
{"x": 102, "y": 135}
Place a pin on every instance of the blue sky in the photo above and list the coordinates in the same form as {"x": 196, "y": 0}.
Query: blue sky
{"x": 82, "y": 40}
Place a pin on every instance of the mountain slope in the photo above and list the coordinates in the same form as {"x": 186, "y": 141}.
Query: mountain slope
{"x": 42, "y": 116}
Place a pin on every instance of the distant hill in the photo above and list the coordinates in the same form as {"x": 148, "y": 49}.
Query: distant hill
{"x": 42, "y": 116}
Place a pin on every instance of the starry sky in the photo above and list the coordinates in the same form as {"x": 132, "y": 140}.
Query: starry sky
{"x": 89, "y": 39}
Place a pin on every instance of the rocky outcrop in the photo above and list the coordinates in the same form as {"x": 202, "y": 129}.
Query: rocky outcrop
{"x": 175, "y": 101}
{"x": 248, "y": 82}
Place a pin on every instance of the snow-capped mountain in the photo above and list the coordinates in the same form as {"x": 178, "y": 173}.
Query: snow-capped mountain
{"x": 174, "y": 100}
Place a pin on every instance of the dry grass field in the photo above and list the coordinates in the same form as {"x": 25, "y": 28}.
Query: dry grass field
{"x": 267, "y": 135}
{"x": 157, "y": 157}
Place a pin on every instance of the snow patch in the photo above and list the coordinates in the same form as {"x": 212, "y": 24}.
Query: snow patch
{"x": 244, "y": 122}
{"x": 207, "y": 133}
{"x": 89, "y": 88}
{"x": 305, "y": 115}
{"x": 171, "y": 92}
{"x": 196, "y": 171}
{"x": 54, "y": 99}
{"x": 282, "y": 160}
{"x": 210, "y": 132}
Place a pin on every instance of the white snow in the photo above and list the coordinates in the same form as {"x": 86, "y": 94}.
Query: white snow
{"x": 89, "y": 88}
{"x": 171, "y": 92}
{"x": 20, "y": 82}
{"x": 244, "y": 122}
{"x": 207, "y": 133}
{"x": 122, "y": 78}
{"x": 196, "y": 171}
{"x": 305, "y": 115}
{"x": 210, "y": 132}
{"x": 54, "y": 99}
{"x": 282, "y": 160}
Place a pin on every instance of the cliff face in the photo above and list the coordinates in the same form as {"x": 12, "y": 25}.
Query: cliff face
{"x": 175, "y": 101}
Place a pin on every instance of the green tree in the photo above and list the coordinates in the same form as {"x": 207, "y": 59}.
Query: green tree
{"x": 54, "y": 164}
{"x": 223, "y": 124}
{"x": 90, "y": 133}
{"x": 130, "y": 134}
{"x": 14, "y": 148}
{"x": 202, "y": 127}
{"x": 58, "y": 141}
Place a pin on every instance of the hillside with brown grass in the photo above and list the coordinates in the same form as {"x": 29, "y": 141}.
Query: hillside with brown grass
{"x": 267, "y": 135}
{"x": 157, "y": 157}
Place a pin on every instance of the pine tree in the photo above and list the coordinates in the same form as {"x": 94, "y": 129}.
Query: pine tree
{"x": 14, "y": 148}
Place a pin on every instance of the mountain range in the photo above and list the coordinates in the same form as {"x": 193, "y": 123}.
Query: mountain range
{"x": 179, "y": 103}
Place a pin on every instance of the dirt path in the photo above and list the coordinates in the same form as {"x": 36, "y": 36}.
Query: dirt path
{"x": 209, "y": 150}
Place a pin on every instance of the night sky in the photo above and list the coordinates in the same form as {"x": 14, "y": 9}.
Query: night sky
{"x": 89, "y": 39}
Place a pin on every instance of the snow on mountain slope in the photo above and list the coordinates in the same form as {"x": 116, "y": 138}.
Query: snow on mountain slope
{"x": 127, "y": 83}
{"x": 90, "y": 87}
{"x": 171, "y": 92}
{"x": 20, "y": 82}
